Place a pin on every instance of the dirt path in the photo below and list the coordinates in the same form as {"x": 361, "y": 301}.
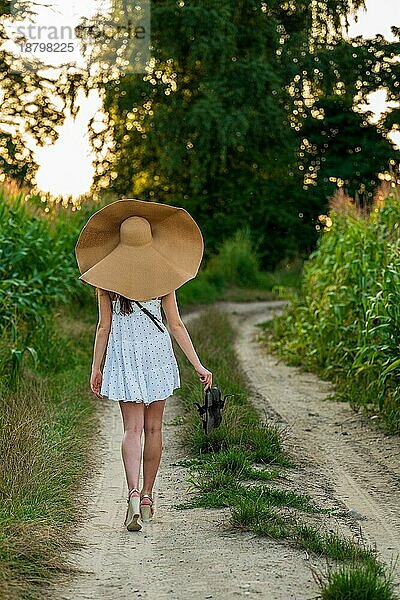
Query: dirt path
{"x": 193, "y": 552}
{"x": 346, "y": 460}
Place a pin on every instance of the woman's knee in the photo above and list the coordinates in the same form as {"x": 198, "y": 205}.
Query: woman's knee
{"x": 133, "y": 418}
{"x": 152, "y": 428}
{"x": 153, "y": 417}
{"x": 133, "y": 429}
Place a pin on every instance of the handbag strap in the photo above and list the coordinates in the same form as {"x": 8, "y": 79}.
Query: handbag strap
{"x": 155, "y": 320}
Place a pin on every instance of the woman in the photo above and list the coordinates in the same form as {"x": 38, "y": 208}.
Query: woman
{"x": 137, "y": 254}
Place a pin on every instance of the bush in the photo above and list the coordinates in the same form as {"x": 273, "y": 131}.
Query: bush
{"x": 38, "y": 270}
{"x": 235, "y": 264}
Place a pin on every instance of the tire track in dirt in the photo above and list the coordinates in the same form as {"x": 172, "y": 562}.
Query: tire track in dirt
{"x": 357, "y": 465}
{"x": 183, "y": 553}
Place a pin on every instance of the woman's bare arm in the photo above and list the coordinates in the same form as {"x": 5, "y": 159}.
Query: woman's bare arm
{"x": 181, "y": 335}
{"x": 101, "y": 339}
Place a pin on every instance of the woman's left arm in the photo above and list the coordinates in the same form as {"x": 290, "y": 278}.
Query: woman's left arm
{"x": 180, "y": 333}
{"x": 101, "y": 338}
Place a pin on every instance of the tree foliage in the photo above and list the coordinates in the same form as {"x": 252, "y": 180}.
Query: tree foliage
{"x": 339, "y": 142}
{"x": 33, "y": 103}
{"x": 247, "y": 115}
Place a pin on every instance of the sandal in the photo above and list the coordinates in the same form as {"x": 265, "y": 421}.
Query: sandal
{"x": 147, "y": 508}
{"x": 133, "y": 511}
{"x": 210, "y": 412}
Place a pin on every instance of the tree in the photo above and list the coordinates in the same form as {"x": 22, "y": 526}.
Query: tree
{"x": 226, "y": 122}
{"x": 339, "y": 144}
{"x": 32, "y": 103}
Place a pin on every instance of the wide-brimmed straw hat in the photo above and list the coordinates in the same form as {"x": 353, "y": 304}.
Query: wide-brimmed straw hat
{"x": 139, "y": 249}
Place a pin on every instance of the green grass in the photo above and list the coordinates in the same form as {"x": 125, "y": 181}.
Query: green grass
{"x": 47, "y": 423}
{"x": 241, "y": 426}
{"x": 265, "y": 516}
{"x": 239, "y": 465}
{"x": 357, "y": 583}
{"x": 220, "y": 489}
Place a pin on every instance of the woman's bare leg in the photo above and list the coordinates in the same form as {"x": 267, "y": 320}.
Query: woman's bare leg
{"x": 152, "y": 450}
{"x": 131, "y": 446}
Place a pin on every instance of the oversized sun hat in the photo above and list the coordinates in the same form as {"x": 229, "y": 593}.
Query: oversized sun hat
{"x": 139, "y": 249}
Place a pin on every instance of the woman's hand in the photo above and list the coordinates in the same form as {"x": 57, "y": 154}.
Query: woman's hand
{"x": 205, "y": 376}
{"x": 95, "y": 382}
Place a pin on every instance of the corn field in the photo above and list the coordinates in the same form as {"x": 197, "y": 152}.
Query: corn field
{"x": 38, "y": 272}
{"x": 345, "y": 322}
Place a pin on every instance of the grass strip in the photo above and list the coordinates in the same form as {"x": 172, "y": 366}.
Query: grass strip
{"x": 356, "y": 582}
{"x": 47, "y": 423}
{"x": 241, "y": 427}
{"x": 227, "y": 466}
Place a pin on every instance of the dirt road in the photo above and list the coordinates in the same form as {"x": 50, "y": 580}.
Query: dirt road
{"x": 353, "y": 463}
{"x": 193, "y": 553}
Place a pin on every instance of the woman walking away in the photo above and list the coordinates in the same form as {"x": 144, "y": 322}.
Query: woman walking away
{"x": 136, "y": 254}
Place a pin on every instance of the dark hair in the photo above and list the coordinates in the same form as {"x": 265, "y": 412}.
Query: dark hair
{"x": 125, "y": 304}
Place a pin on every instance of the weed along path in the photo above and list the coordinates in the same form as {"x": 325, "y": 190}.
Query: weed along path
{"x": 345, "y": 460}
{"x": 195, "y": 553}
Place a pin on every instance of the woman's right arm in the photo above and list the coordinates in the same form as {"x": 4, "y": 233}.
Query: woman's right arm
{"x": 101, "y": 339}
{"x": 180, "y": 333}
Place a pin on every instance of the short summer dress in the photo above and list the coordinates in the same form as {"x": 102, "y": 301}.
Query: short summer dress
{"x": 140, "y": 365}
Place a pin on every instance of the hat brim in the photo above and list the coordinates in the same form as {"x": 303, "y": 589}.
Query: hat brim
{"x": 140, "y": 272}
{"x": 136, "y": 273}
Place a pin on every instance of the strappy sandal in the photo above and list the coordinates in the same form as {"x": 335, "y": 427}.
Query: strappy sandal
{"x": 133, "y": 511}
{"x": 146, "y": 509}
{"x": 210, "y": 412}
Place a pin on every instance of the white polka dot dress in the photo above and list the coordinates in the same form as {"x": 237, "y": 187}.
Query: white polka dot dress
{"x": 140, "y": 365}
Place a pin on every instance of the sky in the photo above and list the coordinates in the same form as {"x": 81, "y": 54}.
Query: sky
{"x": 65, "y": 168}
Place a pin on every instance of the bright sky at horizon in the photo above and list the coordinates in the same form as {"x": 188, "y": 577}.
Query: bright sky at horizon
{"x": 66, "y": 167}
{"x": 379, "y": 17}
